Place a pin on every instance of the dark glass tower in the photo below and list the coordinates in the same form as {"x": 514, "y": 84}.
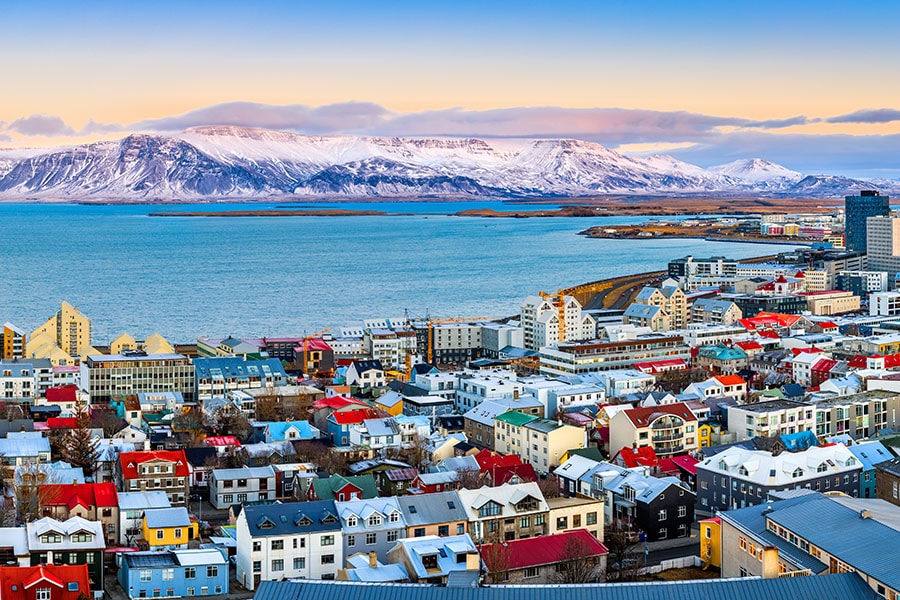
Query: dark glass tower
{"x": 857, "y": 209}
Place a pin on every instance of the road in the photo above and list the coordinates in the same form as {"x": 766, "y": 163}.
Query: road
{"x": 657, "y": 556}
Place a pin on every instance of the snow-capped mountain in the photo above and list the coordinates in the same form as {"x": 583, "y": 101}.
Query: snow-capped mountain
{"x": 240, "y": 162}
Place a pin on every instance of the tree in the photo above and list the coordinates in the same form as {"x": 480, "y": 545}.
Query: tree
{"x": 471, "y": 479}
{"x": 231, "y": 422}
{"x": 79, "y": 447}
{"x": 193, "y": 421}
{"x": 324, "y": 457}
{"x": 496, "y": 559}
{"x": 577, "y": 563}
{"x": 108, "y": 421}
{"x": 676, "y": 380}
{"x": 29, "y": 490}
{"x": 623, "y": 560}
{"x": 549, "y": 486}
{"x": 268, "y": 406}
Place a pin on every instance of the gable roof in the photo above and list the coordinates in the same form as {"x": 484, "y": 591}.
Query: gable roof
{"x": 545, "y": 549}
{"x": 326, "y": 488}
{"x": 85, "y": 494}
{"x": 265, "y": 520}
{"x": 643, "y": 417}
{"x": 130, "y": 461}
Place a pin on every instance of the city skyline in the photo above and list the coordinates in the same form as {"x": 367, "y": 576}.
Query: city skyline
{"x": 801, "y": 85}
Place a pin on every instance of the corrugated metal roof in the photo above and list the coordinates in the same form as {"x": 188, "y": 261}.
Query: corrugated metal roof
{"x": 846, "y": 586}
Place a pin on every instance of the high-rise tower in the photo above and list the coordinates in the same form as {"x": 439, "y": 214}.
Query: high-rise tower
{"x": 857, "y": 209}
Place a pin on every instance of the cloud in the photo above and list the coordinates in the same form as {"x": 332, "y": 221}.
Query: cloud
{"x": 46, "y": 125}
{"x": 331, "y": 118}
{"x": 782, "y": 123}
{"x": 835, "y": 154}
{"x": 878, "y": 115}
{"x": 5, "y": 138}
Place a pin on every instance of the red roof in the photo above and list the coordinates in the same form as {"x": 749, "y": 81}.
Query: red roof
{"x": 810, "y": 350}
{"x": 799, "y": 275}
{"x": 222, "y": 440}
{"x": 313, "y": 344}
{"x": 66, "y": 393}
{"x": 781, "y": 279}
{"x": 768, "y": 333}
{"x": 352, "y": 417}
{"x": 827, "y": 325}
{"x": 667, "y": 466}
{"x": 638, "y": 457}
{"x": 643, "y": 416}
{"x": 750, "y": 345}
{"x": 504, "y": 474}
{"x": 860, "y": 361}
{"x": 335, "y": 402}
{"x": 656, "y": 365}
{"x": 488, "y": 459}
{"x": 824, "y": 364}
{"x": 85, "y": 494}
{"x": 730, "y": 380}
{"x": 62, "y": 423}
{"x": 541, "y": 550}
{"x": 130, "y": 461}
{"x": 17, "y": 583}
{"x": 686, "y": 462}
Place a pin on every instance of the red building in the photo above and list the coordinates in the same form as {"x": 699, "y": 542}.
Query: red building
{"x": 44, "y": 582}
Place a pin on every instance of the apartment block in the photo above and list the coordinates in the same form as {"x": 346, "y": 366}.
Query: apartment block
{"x": 104, "y": 376}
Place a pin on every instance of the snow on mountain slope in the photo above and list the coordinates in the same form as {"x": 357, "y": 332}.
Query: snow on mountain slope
{"x": 227, "y": 161}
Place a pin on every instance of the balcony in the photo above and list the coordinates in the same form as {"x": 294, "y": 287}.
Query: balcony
{"x": 666, "y": 425}
{"x": 667, "y": 450}
{"x": 667, "y": 437}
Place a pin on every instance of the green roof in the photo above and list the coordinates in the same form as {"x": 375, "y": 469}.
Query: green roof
{"x": 326, "y": 487}
{"x": 515, "y": 418}
{"x": 590, "y": 452}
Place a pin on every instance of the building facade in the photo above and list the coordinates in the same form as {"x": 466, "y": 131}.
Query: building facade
{"x": 857, "y": 210}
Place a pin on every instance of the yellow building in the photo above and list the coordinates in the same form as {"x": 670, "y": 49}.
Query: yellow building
{"x": 14, "y": 342}
{"x": 157, "y": 344}
{"x": 43, "y": 346}
{"x": 123, "y": 343}
{"x": 704, "y": 435}
{"x": 168, "y": 528}
{"x": 70, "y": 331}
{"x": 575, "y": 513}
{"x": 391, "y": 403}
{"x": 711, "y": 543}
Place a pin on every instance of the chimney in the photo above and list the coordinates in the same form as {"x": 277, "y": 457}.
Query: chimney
{"x": 865, "y": 514}
{"x": 515, "y": 394}
{"x": 373, "y": 560}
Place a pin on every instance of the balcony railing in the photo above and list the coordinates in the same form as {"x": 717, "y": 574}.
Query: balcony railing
{"x": 660, "y": 450}
{"x": 667, "y": 437}
{"x": 665, "y": 425}
{"x": 800, "y": 573}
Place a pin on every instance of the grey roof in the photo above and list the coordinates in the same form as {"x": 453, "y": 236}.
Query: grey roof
{"x": 143, "y": 500}
{"x": 12, "y": 447}
{"x": 291, "y": 518}
{"x": 642, "y": 311}
{"x": 841, "y": 532}
{"x": 847, "y": 586}
{"x": 167, "y": 517}
{"x": 428, "y": 509}
{"x": 379, "y": 427}
{"x": 244, "y": 473}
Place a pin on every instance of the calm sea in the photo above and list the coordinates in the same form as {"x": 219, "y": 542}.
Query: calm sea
{"x": 280, "y": 276}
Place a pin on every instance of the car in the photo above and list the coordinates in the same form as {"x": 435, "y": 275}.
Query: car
{"x": 627, "y": 563}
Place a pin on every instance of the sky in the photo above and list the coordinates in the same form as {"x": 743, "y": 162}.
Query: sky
{"x": 810, "y": 85}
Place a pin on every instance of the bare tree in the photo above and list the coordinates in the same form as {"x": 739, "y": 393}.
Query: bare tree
{"x": 624, "y": 558}
{"x": 79, "y": 447}
{"x": 229, "y": 422}
{"x": 325, "y": 458}
{"x": 109, "y": 422}
{"x": 549, "y": 486}
{"x": 471, "y": 479}
{"x": 676, "y": 380}
{"x": 29, "y": 490}
{"x": 497, "y": 561}
{"x": 577, "y": 563}
{"x": 194, "y": 422}
{"x": 269, "y": 406}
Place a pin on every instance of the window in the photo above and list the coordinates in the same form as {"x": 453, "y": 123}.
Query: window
{"x": 538, "y": 519}
{"x": 42, "y": 594}
{"x": 190, "y": 572}
{"x": 374, "y": 520}
{"x": 82, "y": 536}
{"x": 257, "y": 546}
{"x": 328, "y": 559}
{"x": 190, "y": 591}
{"x": 392, "y": 536}
{"x": 371, "y": 538}
{"x": 277, "y": 544}
{"x": 228, "y": 499}
{"x": 352, "y": 521}
{"x": 177, "y": 533}
{"x": 562, "y": 523}
{"x": 662, "y": 515}
{"x": 419, "y": 532}
{"x": 168, "y": 574}
{"x": 72, "y": 586}
{"x": 394, "y": 517}
{"x": 160, "y": 534}
{"x": 590, "y": 518}
{"x": 277, "y": 564}
{"x": 682, "y": 511}
{"x": 212, "y": 571}
{"x": 327, "y": 540}
{"x": 443, "y": 530}
{"x": 146, "y": 575}
{"x": 531, "y": 572}
{"x": 460, "y": 528}
{"x": 351, "y": 540}
{"x": 299, "y": 562}
{"x": 490, "y": 509}
{"x": 576, "y": 521}
{"x": 51, "y": 538}
{"x": 257, "y": 566}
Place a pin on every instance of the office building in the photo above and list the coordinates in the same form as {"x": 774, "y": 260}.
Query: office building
{"x": 883, "y": 233}
{"x": 858, "y": 209}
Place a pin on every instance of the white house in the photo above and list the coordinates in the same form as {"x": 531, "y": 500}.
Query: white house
{"x": 238, "y": 486}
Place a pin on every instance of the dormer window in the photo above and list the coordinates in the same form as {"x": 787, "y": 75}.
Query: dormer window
{"x": 82, "y": 537}
{"x": 743, "y": 471}
{"x": 850, "y": 462}
{"x": 394, "y": 517}
{"x": 352, "y": 522}
{"x": 821, "y": 468}
{"x": 430, "y": 561}
{"x": 51, "y": 538}
{"x": 798, "y": 472}
{"x": 374, "y": 520}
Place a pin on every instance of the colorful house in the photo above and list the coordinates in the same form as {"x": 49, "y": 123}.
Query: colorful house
{"x": 711, "y": 542}
{"x": 45, "y": 582}
{"x": 91, "y": 501}
{"x": 174, "y": 573}
{"x": 170, "y": 528}
{"x": 338, "y": 487}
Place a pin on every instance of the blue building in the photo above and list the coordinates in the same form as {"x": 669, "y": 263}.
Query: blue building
{"x": 174, "y": 573}
{"x": 857, "y": 209}
{"x": 215, "y": 377}
{"x": 869, "y": 454}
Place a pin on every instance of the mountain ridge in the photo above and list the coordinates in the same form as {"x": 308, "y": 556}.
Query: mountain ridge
{"x": 224, "y": 162}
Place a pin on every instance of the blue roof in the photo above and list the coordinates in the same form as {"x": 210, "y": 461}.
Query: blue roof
{"x": 278, "y": 429}
{"x": 235, "y": 367}
{"x": 291, "y": 518}
{"x": 846, "y": 586}
{"x": 795, "y": 442}
{"x": 870, "y": 454}
{"x": 840, "y": 531}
